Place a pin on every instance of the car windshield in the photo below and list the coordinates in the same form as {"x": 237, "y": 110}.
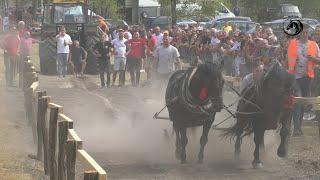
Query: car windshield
{"x": 68, "y": 14}
{"x": 293, "y": 9}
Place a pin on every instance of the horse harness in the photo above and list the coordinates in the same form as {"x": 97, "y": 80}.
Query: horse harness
{"x": 183, "y": 96}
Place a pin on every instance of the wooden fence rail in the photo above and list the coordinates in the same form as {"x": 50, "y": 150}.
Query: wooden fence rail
{"x": 58, "y": 144}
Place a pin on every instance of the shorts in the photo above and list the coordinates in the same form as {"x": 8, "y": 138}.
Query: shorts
{"x": 134, "y": 64}
{"x": 77, "y": 66}
{"x": 119, "y": 63}
{"x": 104, "y": 65}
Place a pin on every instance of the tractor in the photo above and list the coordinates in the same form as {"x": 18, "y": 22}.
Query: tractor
{"x": 80, "y": 23}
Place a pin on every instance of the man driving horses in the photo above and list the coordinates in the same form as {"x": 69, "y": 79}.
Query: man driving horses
{"x": 255, "y": 75}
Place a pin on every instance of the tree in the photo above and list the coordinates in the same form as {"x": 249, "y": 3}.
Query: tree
{"x": 108, "y": 8}
{"x": 172, "y": 4}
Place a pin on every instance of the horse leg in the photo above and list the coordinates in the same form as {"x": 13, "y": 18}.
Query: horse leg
{"x": 237, "y": 145}
{"x": 258, "y": 136}
{"x": 284, "y": 133}
{"x": 184, "y": 142}
{"x": 178, "y": 143}
{"x": 204, "y": 139}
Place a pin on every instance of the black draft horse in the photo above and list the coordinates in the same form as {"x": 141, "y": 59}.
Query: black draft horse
{"x": 261, "y": 107}
{"x": 193, "y": 97}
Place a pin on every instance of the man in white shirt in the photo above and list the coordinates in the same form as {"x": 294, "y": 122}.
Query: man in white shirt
{"x": 63, "y": 42}
{"x": 158, "y": 35}
{"x": 166, "y": 59}
{"x": 119, "y": 58}
{"x": 252, "y": 77}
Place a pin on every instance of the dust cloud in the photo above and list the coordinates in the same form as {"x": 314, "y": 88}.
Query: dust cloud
{"x": 127, "y": 131}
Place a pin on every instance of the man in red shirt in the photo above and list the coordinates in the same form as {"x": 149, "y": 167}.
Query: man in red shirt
{"x": 134, "y": 57}
{"x": 10, "y": 45}
{"x": 151, "y": 42}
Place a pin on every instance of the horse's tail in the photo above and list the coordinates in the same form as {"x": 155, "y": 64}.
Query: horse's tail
{"x": 242, "y": 128}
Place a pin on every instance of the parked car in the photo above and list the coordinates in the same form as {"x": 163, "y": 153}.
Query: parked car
{"x": 284, "y": 11}
{"x": 243, "y": 23}
{"x": 186, "y": 22}
{"x": 161, "y": 21}
{"x": 277, "y": 25}
{"x": 243, "y": 26}
{"x": 212, "y": 23}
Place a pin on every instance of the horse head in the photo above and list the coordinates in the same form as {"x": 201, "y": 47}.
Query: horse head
{"x": 274, "y": 88}
{"x": 207, "y": 83}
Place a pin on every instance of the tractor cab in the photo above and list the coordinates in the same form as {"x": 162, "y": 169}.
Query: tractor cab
{"x": 71, "y": 14}
{"x": 80, "y": 25}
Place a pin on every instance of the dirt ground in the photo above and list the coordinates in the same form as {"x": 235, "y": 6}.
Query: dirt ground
{"x": 118, "y": 130}
{"x": 15, "y": 137}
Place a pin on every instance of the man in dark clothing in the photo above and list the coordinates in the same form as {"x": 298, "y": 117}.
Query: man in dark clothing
{"x": 102, "y": 51}
{"x": 78, "y": 58}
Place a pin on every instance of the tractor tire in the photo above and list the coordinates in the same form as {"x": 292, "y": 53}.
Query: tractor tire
{"x": 92, "y": 66}
{"x": 48, "y": 56}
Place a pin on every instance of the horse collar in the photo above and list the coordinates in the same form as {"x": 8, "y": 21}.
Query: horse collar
{"x": 191, "y": 75}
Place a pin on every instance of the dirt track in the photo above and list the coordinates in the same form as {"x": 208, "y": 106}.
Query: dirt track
{"x": 118, "y": 130}
{"x": 16, "y": 138}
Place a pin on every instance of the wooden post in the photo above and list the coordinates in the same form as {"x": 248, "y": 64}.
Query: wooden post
{"x": 44, "y": 130}
{"x": 91, "y": 175}
{"x": 53, "y": 122}
{"x": 63, "y": 132}
{"x": 91, "y": 164}
{"x": 73, "y": 144}
{"x": 71, "y": 154}
{"x": 318, "y": 118}
{"x": 39, "y": 131}
{"x": 30, "y": 112}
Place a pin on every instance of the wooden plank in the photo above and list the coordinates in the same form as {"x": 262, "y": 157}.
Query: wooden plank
{"x": 308, "y": 100}
{"x": 54, "y": 111}
{"x": 91, "y": 164}
{"x": 63, "y": 131}
{"x": 45, "y": 135}
{"x": 30, "y": 113}
{"x": 72, "y": 135}
{"x": 71, "y": 153}
{"x": 39, "y": 131}
{"x": 63, "y": 117}
{"x": 53, "y": 105}
{"x": 91, "y": 175}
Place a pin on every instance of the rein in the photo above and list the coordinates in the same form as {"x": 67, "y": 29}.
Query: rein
{"x": 247, "y": 100}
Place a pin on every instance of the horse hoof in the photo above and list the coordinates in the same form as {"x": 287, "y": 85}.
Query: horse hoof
{"x": 282, "y": 152}
{"x": 257, "y": 165}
